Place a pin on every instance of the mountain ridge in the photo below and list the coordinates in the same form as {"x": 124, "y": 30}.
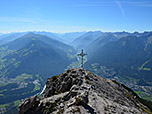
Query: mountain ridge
{"x": 22, "y": 41}
{"x": 130, "y": 50}
{"x": 88, "y": 37}
{"x": 37, "y": 49}
{"x": 23, "y": 71}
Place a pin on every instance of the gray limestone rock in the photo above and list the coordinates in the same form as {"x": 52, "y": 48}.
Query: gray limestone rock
{"x": 81, "y": 92}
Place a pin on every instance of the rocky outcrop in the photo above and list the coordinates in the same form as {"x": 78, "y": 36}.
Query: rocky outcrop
{"x": 82, "y": 92}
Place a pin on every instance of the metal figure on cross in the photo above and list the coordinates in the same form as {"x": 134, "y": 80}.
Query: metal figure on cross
{"x": 82, "y": 55}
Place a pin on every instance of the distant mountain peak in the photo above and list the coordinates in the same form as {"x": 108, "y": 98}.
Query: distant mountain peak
{"x": 30, "y": 34}
{"x": 80, "y": 91}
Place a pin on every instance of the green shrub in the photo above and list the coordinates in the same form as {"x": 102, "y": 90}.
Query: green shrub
{"x": 76, "y": 110}
{"x": 78, "y": 101}
{"x": 61, "y": 111}
{"x": 53, "y": 78}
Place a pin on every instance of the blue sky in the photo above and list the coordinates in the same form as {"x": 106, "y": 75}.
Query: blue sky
{"x": 75, "y": 15}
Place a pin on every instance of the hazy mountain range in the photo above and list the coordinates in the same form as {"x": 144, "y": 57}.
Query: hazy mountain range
{"x": 63, "y": 37}
{"x": 27, "y": 59}
{"x": 129, "y": 56}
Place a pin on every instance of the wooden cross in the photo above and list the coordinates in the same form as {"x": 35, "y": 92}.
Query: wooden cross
{"x": 82, "y": 55}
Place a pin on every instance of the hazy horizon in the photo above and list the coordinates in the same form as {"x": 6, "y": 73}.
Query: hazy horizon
{"x": 76, "y": 31}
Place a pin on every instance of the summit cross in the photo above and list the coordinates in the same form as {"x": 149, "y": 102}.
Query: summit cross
{"x": 82, "y": 55}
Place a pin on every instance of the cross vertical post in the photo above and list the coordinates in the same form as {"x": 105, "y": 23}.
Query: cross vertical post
{"x": 82, "y": 55}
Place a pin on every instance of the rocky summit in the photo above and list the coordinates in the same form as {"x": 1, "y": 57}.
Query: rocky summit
{"x": 80, "y": 91}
